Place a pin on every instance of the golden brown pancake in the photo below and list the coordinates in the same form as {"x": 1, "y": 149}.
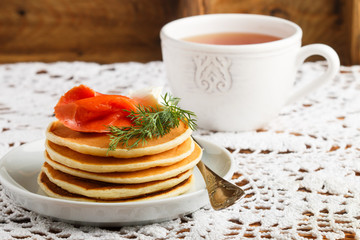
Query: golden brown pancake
{"x": 89, "y": 163}
{"x": 109, "y": 191}
{"x": 97, "y": 144}
{"x": 53, "y": 190}
{"x": 141, "y": 176}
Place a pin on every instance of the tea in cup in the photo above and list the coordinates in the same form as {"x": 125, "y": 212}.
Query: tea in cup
{"x": 236, "y": 71}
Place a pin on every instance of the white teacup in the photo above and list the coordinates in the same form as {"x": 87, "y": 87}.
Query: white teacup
{"x": 238, "y": 87}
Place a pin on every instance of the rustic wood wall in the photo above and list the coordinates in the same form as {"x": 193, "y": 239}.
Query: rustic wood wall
{"x": 96, "y": 30}
{"x": 128, "y": 30}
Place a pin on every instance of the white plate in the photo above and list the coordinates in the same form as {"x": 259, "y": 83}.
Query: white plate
{"x": 20, "y": 167}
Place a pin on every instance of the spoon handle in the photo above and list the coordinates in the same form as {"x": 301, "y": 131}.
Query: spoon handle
{"x": 222, "y": 193}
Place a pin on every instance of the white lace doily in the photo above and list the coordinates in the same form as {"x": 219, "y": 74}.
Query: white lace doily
{"x": 301, "y": 173}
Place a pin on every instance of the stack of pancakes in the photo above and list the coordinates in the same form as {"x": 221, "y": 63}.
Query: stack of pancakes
{"x": 79, "y": 166}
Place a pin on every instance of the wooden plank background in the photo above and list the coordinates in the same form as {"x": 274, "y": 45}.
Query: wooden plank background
{"x": 69, "y": 30}
{"x": 128, "y": 30}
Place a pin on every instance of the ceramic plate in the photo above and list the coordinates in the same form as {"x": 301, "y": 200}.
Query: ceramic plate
{"x": 20, "y": 167}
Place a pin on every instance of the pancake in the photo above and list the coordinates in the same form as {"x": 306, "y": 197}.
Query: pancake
{"x": 53, "y": 190}
{"x": 97, "y": 144}
{"x": 72, "y": 159}
{"x": 109, "y": 191}
{"x": 146, "y": 175}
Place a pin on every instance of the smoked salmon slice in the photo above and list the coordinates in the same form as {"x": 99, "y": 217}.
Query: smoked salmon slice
{"x": 85, "y": 110}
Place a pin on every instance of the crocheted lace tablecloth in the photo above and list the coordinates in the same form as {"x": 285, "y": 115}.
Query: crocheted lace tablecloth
{"x": 301, "y": 173}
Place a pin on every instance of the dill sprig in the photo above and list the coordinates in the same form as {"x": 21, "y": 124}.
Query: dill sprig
{"x": 151, "y": 122}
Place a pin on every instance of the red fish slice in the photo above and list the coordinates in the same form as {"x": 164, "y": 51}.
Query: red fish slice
{"x": 82, "y": 109}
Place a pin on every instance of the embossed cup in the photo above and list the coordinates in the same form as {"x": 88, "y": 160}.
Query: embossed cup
{"x": 238, "y": 87}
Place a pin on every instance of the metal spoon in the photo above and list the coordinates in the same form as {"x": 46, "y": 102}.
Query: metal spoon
{"x": 222, "y": 193}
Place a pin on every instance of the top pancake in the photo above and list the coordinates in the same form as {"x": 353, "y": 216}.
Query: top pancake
{"x": 97, "y": 144}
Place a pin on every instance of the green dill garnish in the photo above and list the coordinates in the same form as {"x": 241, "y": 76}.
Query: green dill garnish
{"x": 151, "y": 122}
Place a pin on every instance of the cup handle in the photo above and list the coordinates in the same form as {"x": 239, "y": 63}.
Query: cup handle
{"x": 333, "y": 68}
